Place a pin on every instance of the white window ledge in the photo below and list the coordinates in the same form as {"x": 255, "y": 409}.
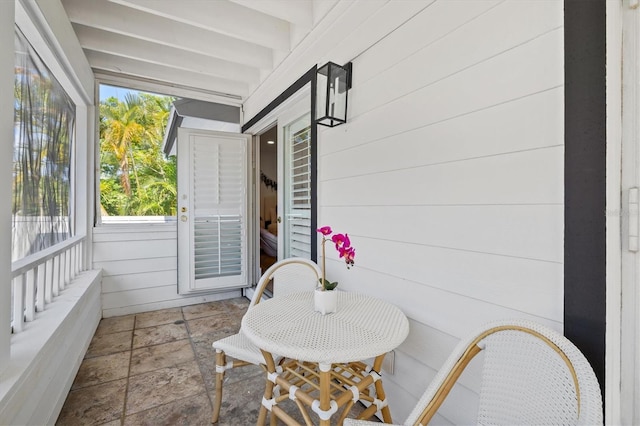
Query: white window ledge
{"x": 119, "y": 220}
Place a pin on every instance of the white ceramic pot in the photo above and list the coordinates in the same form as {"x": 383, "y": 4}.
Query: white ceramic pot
{"x": 325, "y": 302}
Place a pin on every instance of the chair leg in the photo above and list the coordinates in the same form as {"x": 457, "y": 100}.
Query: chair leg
{"x": 268, "y": 392}
{"x": 220, "y": 367}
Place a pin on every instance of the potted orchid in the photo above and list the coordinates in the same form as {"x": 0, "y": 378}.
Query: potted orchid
{"x": 326, "y": 300}
{"x": 344, "y": 248}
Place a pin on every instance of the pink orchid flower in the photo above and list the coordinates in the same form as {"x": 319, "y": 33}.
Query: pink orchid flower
{"x": 349, "y": 254}
{"x": 341, "y": 240}
{"x": 325, "y": 230}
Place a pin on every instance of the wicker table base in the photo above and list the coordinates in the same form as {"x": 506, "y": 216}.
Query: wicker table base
{"x": 303, "y": 382}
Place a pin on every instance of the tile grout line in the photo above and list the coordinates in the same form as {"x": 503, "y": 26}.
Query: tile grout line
{"x": 195, "y": 355}
{"x": 126, "y": 389}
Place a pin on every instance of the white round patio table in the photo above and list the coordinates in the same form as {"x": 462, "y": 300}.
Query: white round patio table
{"x": 362, "y": 327}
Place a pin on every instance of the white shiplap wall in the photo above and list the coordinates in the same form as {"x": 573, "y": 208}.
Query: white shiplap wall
{"x": 139, "y": 269}
{"x": 449, "y": 174}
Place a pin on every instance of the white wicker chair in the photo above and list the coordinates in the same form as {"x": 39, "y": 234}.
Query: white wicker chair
{"x": 530, "y": 375}
{"x": 289, "y": 276}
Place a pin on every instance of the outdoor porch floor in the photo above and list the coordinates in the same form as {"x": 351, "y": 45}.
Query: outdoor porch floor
{"x": 158, "y": 368}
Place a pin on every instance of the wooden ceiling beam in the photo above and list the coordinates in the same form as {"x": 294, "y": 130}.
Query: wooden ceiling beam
{"x": 134, "y": 23}
{"x": 297, "y": 12}
{"x": 221, "y": 16}
{"x": 120, "y": 45}
{"x": 168, "y": 75}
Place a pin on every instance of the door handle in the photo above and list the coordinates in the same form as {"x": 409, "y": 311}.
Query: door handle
{"x": 279, "y": 219}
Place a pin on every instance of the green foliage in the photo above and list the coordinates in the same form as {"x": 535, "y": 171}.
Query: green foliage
{"x": 135, "y": 177}
{"x": 328, "y": 285}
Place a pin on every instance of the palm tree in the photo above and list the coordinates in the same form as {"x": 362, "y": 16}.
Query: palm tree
{"x": 120, "y": 128}
{"x": 136, "y": 178}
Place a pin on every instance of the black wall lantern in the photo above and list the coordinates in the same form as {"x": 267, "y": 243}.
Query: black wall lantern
{"x": 333, "y": 84}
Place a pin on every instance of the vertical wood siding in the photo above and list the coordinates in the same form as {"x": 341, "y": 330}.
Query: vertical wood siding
{"x": 449, "y": 176}
{"x": 139, "y": 264}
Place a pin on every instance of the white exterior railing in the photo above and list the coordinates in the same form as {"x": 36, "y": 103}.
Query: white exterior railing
{"x": 38, "y": 278}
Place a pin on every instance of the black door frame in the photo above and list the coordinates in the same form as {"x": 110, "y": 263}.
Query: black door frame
{"x": 308, "y": 77}
{"x": 585, "y": 179}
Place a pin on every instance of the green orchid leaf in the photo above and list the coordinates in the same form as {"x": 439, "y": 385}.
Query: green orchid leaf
{"x": 329, "y": 285}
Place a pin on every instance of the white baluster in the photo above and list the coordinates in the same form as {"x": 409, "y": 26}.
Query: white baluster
{"x": 74, "y": 255}
{"x": 72, "y": 260}
{"x": 78, "y": 248}
{"x": 55, "y": 275}
{"x": 63, "y": 262}
{"x": 40, "y": 287}
{"x": 67, "y": 268}
{"x": 18, "y": 303}
{"x": 83, "y": 265}
{"x": 48, "y": 287}
{"x": 30, "y": 295}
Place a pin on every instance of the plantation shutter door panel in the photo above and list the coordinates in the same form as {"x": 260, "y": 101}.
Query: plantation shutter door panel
{"x": 212, "y": 209}
{"x": 295, "y": 204}
{"x": 299, "y": 189}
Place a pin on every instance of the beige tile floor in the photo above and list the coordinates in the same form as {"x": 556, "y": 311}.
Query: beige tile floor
{"x": 158, "y": 368}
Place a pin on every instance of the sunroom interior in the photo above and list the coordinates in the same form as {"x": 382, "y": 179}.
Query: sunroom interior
{"x": 472, "y": 174}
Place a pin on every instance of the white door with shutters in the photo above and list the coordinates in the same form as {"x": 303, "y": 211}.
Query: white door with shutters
{"x": 294, "y": 181}
{"x": 212, "y": 210}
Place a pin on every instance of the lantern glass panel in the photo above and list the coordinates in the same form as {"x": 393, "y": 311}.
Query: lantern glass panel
{"x": 321, "y": 93}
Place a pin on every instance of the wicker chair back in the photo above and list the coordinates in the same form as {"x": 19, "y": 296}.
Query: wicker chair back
{"x": 291, "y": 275}
{"x": 530, "y": 375}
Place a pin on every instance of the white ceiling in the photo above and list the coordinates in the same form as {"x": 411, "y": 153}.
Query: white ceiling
{"x": 220, "y": 47}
